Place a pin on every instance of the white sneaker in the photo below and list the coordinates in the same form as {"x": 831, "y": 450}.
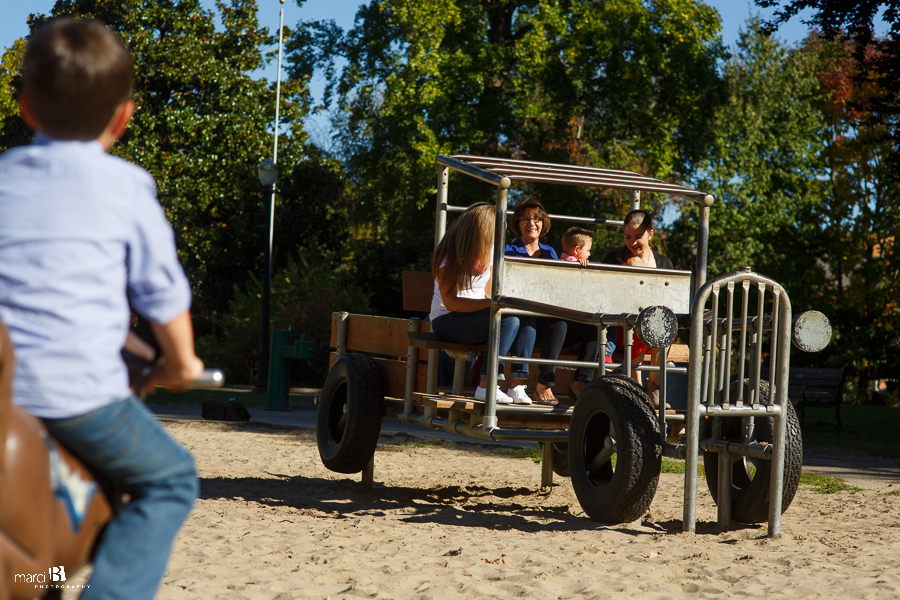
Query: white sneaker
{"x": 520, "y": 396}
{"x": 502, "y": 398}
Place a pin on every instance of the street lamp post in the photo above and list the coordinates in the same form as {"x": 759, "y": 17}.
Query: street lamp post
{"x": 268, "y": 174}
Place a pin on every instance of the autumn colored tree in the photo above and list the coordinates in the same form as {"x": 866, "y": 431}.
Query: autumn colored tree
{"x": 860, "y": 216}
{"x": 852, "y": 20}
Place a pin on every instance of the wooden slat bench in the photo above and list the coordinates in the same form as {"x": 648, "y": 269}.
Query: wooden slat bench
{"x": 817, "y": 388}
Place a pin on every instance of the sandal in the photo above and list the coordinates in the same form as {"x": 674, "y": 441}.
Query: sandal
{"x": 551, "y": 401}
{"x": 545, "y": 401}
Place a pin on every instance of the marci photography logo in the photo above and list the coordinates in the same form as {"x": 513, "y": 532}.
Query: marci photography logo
{"x": 54, "y": 578}
{"x": 53, "y": 575}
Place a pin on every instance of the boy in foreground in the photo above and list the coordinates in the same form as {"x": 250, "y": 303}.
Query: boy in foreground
{"x": 81, "y": 234}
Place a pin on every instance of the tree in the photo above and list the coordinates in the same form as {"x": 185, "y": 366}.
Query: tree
{"x": 11, "y": 125}
{"x": 10, "y": 65}
{"x": 801, "y": 175}
{"x": 860, "y": 216}
{"x": 202, "y": 123}
{"x": 851, "y": 20}
{"x": 624, "y": 83}
{"x": 764, "y": 167}
{"x": 200, "y": 127}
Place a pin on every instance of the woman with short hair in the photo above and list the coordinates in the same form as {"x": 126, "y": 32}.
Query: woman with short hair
{"x": 530, "y": 222}
{"x": 637, "y": 252}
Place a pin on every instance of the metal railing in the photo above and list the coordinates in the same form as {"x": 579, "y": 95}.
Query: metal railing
{"x": 728, "y": 346}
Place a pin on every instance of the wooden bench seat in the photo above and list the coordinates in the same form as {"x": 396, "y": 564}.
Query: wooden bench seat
{"x": 429, "y": 341}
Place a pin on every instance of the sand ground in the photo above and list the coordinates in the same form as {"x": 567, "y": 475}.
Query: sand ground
{"x": 456, "y": 520}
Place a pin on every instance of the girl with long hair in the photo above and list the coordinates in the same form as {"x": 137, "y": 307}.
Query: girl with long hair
{"x": 461, "y": 305}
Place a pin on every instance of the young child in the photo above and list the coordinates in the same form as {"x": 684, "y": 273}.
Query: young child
{"x": 81, "y": 235}
{"x": 576, "y": 243}
{"x": 461, "y": 305}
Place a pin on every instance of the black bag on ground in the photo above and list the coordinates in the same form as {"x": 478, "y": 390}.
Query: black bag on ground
{"x": 222, "y": 410}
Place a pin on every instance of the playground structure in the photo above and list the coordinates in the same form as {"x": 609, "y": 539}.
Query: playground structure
{"x": 610, "y": 442}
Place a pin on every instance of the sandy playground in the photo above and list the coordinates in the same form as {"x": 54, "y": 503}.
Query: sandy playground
{"x": 456, "y": 520}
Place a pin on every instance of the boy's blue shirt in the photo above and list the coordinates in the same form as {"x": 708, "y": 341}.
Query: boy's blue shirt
{"x": 81, "y": 234}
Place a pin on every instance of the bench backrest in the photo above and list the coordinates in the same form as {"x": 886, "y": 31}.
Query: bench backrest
{"x": 815, "y": 385}
{"x": 597, "y": 288}
{"x": 418, "y": 287}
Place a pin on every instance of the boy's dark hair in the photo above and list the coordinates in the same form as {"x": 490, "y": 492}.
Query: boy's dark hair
{"x": 575, "y": 237}
{"x": 75, "y": 75}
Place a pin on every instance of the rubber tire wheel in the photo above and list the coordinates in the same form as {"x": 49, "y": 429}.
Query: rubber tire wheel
{"x": 350, "y": 413}
{"x": 560, "y": 455}
{"x": 750, "y": 494}
{"x": 620, "y": 493}
{"x": 560, "y": 458}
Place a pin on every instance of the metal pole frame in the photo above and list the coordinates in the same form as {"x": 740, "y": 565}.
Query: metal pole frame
{"x": 702, "y": 397}
{"x": 492, "y": 358}
{"x": 262, "y": 380}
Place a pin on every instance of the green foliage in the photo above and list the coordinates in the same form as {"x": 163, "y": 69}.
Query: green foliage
{"x": 532, "y": 454}
{"x": 861, "y": 215}
{"x": 763, "y": 168}
{"x": 12, "y": 129}
{"x": 10, "y": 65}
{"x": 200, "y": 128}
{"x": 303, "y": 296}
{"x": 624, "y": 84}
{"x": 805, "y": 193}
{"x": 825, "y": 484}
{"x": 423, "y": 443}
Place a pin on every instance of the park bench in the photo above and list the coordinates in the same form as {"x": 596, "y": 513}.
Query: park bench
{"x": 817, "y": 388}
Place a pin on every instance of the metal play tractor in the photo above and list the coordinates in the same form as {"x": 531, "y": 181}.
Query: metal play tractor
{"x": 729, "y": 394}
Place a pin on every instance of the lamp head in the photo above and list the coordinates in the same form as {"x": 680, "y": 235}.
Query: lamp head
{"x": 268, "y": 172}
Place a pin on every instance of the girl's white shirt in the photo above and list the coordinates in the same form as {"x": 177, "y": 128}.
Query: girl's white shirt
{"x": 475, "y": 289}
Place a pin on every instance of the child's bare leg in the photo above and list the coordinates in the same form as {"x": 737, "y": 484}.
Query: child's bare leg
{"x": 652, "y": 385}
{"x": 635, "y": 374}
{"x": 576, "y": 387}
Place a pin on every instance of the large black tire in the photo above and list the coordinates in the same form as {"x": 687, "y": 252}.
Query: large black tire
{"x": 625, "y": 381}
{"x": 560, "y": 458}
{"x": 609, "y": 409}
{"x": 751, "y": 476}
{"x": 351, "y": 410}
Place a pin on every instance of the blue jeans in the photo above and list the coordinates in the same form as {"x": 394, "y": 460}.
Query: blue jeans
{"x": 125, "y": 446}
{"x": 473, "y": 327}
{"x": 557, "y": 334}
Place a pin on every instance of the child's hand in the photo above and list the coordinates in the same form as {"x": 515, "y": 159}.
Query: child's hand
{"x": 170, "y": 374}
{"x": 178, "y": 363}
{"x": 583, "y": 261}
